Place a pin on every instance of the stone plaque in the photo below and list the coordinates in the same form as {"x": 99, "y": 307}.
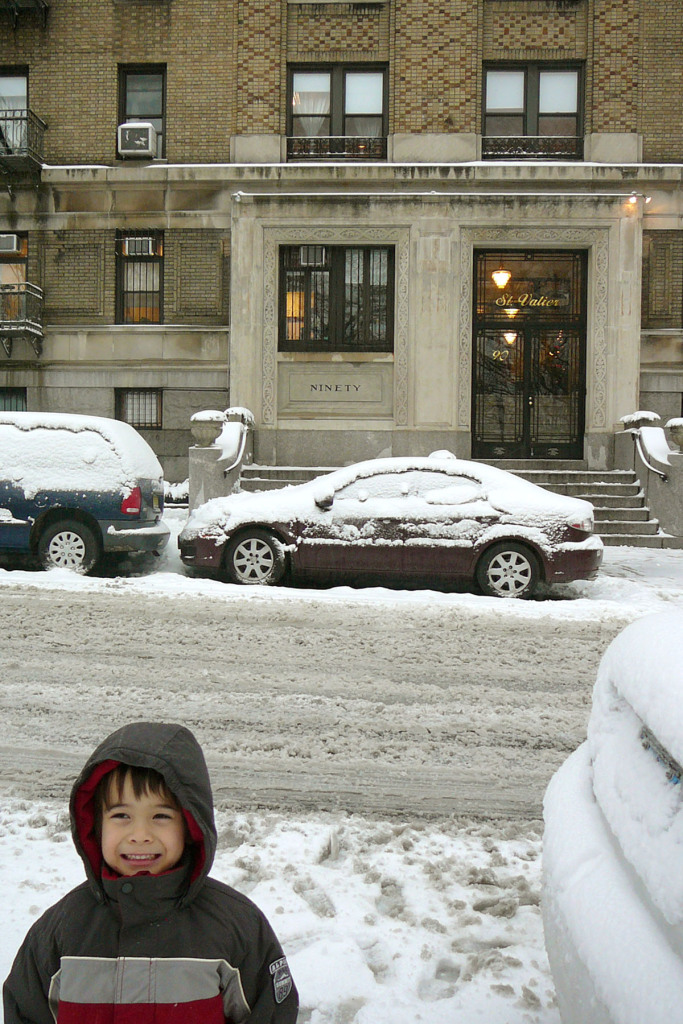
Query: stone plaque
{"x": 326, "y": 389}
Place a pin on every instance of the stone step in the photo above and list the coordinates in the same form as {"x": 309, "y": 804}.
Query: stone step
{"x": 645, "y": 529}
{"x": 655, "y": 541}
{"x": 617, "y": 501}
{"x": 595, "y": 492}
{"x": 627, "y": 515}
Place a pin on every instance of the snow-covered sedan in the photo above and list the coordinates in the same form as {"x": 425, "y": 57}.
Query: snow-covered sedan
{"x": 429, "y": 521}
{"x": 613, "y": 845}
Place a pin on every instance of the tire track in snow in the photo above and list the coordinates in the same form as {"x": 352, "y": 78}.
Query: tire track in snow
{"x": 373, "y": 708}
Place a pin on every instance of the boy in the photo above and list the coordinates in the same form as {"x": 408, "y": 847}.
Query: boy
{"x": 149, "y": 938}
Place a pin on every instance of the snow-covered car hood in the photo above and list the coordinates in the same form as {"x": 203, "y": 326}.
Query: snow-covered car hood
{"x": 505, "y": 494}
{"x": 635, "y": 738}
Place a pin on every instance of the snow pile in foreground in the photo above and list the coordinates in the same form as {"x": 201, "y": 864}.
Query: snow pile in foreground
{"x": 383, "y": 923}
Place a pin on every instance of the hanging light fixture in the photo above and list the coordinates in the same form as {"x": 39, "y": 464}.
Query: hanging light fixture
{"x": 501, "y": 277}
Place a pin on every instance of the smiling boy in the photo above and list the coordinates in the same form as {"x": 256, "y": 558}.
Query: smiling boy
{"x": 149, "y": 938}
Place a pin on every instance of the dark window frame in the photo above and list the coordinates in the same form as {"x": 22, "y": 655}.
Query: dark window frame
{"x": 337, "y": 115}
{"x": 124, "y": 259}
{"x": 142, "y": 69}
{"x": 530, "y": 115}
{"x": 334, "y": 294}
{"x": 9, "y": 393}
{"x": 140, "y": 422}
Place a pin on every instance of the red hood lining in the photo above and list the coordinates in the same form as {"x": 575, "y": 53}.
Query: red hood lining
{"x": 84, "y": 816}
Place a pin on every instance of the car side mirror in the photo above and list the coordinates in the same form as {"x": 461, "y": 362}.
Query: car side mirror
{"x": 324, "y": 500}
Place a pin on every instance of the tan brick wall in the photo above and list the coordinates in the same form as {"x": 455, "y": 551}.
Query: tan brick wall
{"x": 77, "y": 271}
{"x": 616, "y": 78}
{"x": 662, "y": 296}
{"x": 661, "y": 70}
{"x": 436, "y": 68}
{"x": 226, "y": 64}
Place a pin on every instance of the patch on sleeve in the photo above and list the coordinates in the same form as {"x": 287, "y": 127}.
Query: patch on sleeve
{"x": 282, "y": 979}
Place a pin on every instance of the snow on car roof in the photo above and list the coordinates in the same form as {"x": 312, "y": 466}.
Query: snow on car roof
{"x": 504, "y": 491}
{"x": 102, "y": 454}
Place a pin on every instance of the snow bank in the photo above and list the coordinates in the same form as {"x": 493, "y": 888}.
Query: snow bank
{"x": 382, "y": 922}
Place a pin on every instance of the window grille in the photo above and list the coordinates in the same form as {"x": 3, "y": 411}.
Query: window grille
{"x": 139, "y": 278}
{"x": 12, "y": 399}
{"x": 336, "y": 298}
{"x": 141, "y": 407}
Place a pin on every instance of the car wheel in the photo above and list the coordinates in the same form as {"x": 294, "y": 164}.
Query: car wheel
{"x": 256, "y": 557}
{"x": 68, "y": 545}
{"x": 508, "y": 570}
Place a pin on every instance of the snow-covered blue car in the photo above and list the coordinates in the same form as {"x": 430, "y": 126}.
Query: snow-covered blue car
{"x": 73, "y": 487}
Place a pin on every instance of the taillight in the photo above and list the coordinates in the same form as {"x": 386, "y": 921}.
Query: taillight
{"x": 132, "y": 504}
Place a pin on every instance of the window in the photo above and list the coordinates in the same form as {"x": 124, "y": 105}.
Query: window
{"x": 13, "y": 110}
{"x": 12, "y": 399}
{"x": 532, "y": 110}
{"x": 139, "y": 277}
{"x": 337, "y": 111}
{"x": 141, "y": 407}
{"x": 336, "y": 298}
{"x": 142, "y": 97}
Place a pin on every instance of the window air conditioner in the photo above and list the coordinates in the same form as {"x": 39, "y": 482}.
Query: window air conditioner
{"x": 137, "y": 138}
{"x": 9, "y": 245}
{"x": 138, "y": 246}
{"x": 312, "y": 256}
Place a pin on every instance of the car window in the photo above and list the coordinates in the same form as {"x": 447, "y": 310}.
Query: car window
{"x": 431, "y": 486}
{"x": 382, "y": 485}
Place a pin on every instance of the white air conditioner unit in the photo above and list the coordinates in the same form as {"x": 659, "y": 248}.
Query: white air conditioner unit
{"x": 137, "y": 138}
{"x": 312, "y": 256}
{"x": 10, "y": 245}
{"x": 143, "y": 246}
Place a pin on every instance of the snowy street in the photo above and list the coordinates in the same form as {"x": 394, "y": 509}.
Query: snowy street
{"x": 378, "y": 757}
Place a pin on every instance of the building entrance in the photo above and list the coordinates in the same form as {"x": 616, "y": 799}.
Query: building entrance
{"x": 529, "y": 365}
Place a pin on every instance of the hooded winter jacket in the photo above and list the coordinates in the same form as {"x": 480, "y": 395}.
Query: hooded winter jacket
{"x": 176, "y": 948}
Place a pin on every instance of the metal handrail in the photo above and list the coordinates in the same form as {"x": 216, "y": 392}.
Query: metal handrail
{"x": 639, "y": 446}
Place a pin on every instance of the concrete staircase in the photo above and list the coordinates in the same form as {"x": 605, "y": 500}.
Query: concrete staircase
{"x": 621, "y": 515}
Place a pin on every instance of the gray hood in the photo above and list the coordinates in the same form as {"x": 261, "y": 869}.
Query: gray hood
{"x": 171, "y": 750}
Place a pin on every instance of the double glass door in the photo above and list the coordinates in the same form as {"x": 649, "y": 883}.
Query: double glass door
{"x": 529, "y": 355}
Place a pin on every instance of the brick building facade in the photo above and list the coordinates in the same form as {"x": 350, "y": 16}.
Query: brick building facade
{"x": 322, "y": 194}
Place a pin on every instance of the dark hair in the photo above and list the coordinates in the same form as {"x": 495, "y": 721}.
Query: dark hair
{"x": 109, "y": 789}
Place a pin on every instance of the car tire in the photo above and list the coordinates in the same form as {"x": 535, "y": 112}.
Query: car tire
{"x": 508, "y": 570}
{"x": 255, "y": 558}
{"x": 68, "y": 544}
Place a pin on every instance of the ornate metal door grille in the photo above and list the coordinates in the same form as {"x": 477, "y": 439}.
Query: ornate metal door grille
{"x": 528, "y": 389}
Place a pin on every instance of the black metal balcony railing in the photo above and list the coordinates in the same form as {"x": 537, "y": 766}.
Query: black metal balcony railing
{"x": 21, "y": 139}
{"x": 21, "y": 315}
{"x": 337, "y": 147}
{"x": 532, "y": 147}
{"x": 18, "y": 7}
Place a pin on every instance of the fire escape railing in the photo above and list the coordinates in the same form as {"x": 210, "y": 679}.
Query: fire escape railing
{"x": 21, "y": 315}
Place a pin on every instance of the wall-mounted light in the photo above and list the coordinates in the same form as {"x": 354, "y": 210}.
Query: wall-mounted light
{"x": 633, "y": 199}
{"x": 501, "y": 277}
{"x": 511, "y": 311}
{"x": 510, "y": 337}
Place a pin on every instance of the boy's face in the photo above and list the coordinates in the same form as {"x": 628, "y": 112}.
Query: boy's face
{"x": 145, "y": 833}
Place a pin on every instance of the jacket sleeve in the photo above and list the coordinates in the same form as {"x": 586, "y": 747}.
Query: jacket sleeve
{"x": 271, "y": 994}
{"x": 25, "y": 992}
